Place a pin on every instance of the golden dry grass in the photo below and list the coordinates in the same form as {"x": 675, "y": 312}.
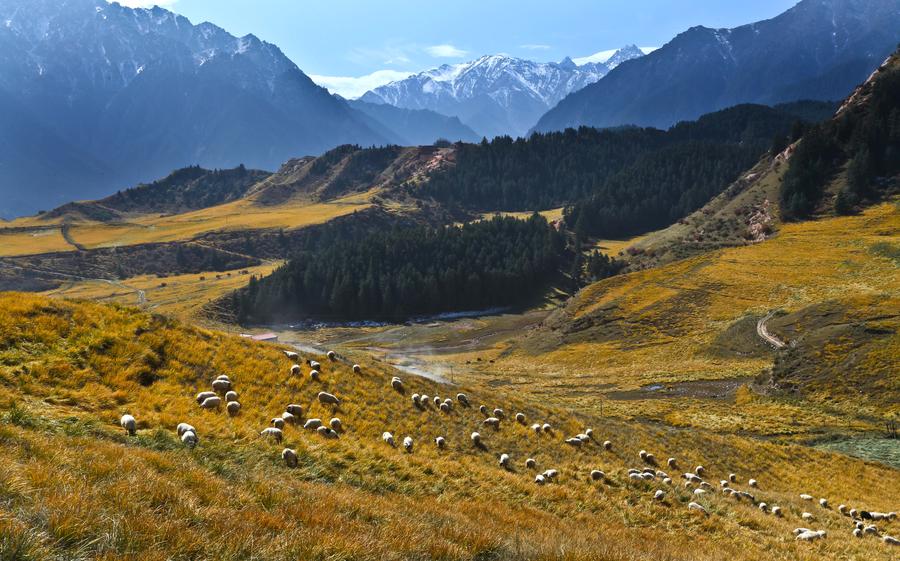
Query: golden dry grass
{"x": 74, "y": 486}
{"x": 31, "y": 241}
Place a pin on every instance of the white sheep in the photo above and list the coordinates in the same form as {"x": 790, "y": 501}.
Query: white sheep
{"x": 805, "y": 497}
{"x": 607, "y": 445}
{"x": 189, "y": 439}
{"x": 463, "y": 398}
{"x": 857, "y": 532}
{"x": 289, "y": 418}
{"x": 408, "y": 444}
{"x": 672, "y": 463}
{"x": 201, "y": 397}
{"x": 437, "y": 401}
{"x": 223, "y": 377}
{"x": 483, "y": 409}
{"x": 890, "y": 540}
{"x": 357, "y": 369}
{"x": 732, "y": 477}
{"x": 798, "y": 531}
{"x": 388, "y": 438}
{"x": 520, "y": 418}
{"x": 416, "y": 400}
{"x": 589, "y": 433}
{"x": 231, "y": 395}
{"x": 129, "y": 424}
{"x": 823, "y": 503}
{"x": 540, "y": 479}
{"x": 551, "y": 474}
{"x": 314, "y": 375}
{"x": 211, "y": 403}
{"x": 312, "y": 424}
{"x": 491, "y": 422}
{"x": 424, "y": 400}
{"x": 499, "y": 413}
{"x": 397, "y": 384}
{"x": 331, "y": 355}
{"x": 667, "y": 480}
{"x": 763, "y": 507}
{"x": 448, "y": 402}
{"x": 700, "y": 470}
{"x": 776, "y": 510}
{"x": 233, "y": 408}
{"x": 842, "y": 509}
{"x": 699, "y": 491}
{"x": 445, "y": 407}
{"x": 314, "y": 365}
{"x": 871, "y": 529}
{"x": 221, "y": 386}
{"x": 597, "y": 475}
{"x": 295, "y": 410}
{"x": 698, "y": 507}
{"x": 291, "y": 355}
{"x": 326, "y": 432}
{"x": 546, "y": 427}
{"x": 530, "y": 463}
{"x": 659, "y": 495}
{"x": 723, "y": 483}
{"x": 810, "y": 535}
{"x": 536, "y": 428}
{"x": 328, "y": 399}
{"x": 853, "y": 513}
{"x": 807, "y": 516}
{"x": 440, "y": 442}
{"x": 576, "y": 442}
{"x": 183, "y": 428}
{"x": 336, "y": 424}
{"x": 295, "y": 370}
{"x": 753, "y": 483}
{"x": 277, "y": 422}
{"x": 476, "y": 438}
{"x": 290, "y": 457}
{"x": 691, "y": 478}
{"x": 583, "y": 437}
{"x": 504, "y": 460}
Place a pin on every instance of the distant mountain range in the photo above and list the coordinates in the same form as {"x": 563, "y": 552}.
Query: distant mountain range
{"x": 819, "y": 49}
{"x": 497, "y": 94}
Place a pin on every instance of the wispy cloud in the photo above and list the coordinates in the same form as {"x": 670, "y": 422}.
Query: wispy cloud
{"x": 389, "y": 55}
{"x": 535, "y": 47}
{"x": 353, "y": 87}
{"x": 445, "y": 51}
{"x": 144, "y": 3}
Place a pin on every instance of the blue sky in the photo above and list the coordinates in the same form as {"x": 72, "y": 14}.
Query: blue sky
{"x": 351, "y": 45}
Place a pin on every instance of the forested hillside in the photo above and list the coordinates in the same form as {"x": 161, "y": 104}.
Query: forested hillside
{"x": 402, "y": 272}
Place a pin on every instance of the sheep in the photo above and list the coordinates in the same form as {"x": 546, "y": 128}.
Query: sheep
{"x": 576, "y": 442}
{"x": 189, "y": 439}
{"x": 636, "y": 476}
{"x": 463, "y": 399}
{"x": 853, "y": 513}
{"x": 233, "y": 408}
{"x": 277, "y": 422}
{"x": 700, "y": 470}
{"x": 221, "y": 386}
{"x": 504, "y": 460}
{"x": 732, "y": 477}
{"x": 476, "y": 438}
{"x": 752, "y": 483}
{"x": 231, "y": 395}
{"x": 540, "y": 479}
{"x": 583, "y": 437}
{"x": 890, "y": 540}
{"x": 440, "y": 442}
{"x": 223, "y": 377}
{"x": 448, "y": 402}
{"x": 859, "y": 525}
{"x": 295, "y": 410}
{"x": 290, "y": 457}
{"x": 589, "y": 433}
{"x": 643, "y": 454}
{"x": 491, "y": 422}
{"x": 416, "y": 400}
{"x": 672, "y": 463}
{"x": 483, "y": 410}
{"x": 667, "y": 480}
{"x": 408, "y": 444}
{"x": 857, "y": 532}
{"x": 810, "y": 535}
{"x": 842, "y": 509}
{"x": 328, "y": 399}
{"x": 203, "y": 395}
{"x": 650, "y": 459}
{"x": 520, "y": 418}
{"x": 336, "y": 424}
{"x": 314, "y": 365}
{"x": 823, "y": 503}
{"x": 295, "y": 370}
{"x": 499, "y": 413}
{"x": 748, "y": 496}
{"x": 697, "y": 507}
{"x": 659, "y": 495}
{"x": 691, "y": 478}
{"x": 326, "y": 432}
{"x": 289, "y": 418}
{"x": 388, "y": 438}
{"x": 807, "y": 516}
{"x": 805, "y": 497}
{"x": 291, "y": 355}
{"x": 397, "y": 384}
{"x": 183, "y": 428}
{"x": 798, "y": 531}
{"x": 607, "y": 445}
{"x": 331, "y": 355}
{"x": 699, "y": 491}
{"x": 882, "y": 515}
{"x": 763, "y": 507}
{"x": 871, "y": 529}
{"x": 546, "y": 427}
{"x": 211, "y": 403}
{"x": 597, "y": 475}
{"x": 128, "y": 423}
{"x": 776, "y": 511}
{"x": 536, "y": 428}
{"x": 273, "y": 433}
{"x": 530, "y": 463}
{"x": 312, "y": 424}
{"x": 437, "y": 401}
{"x": 357, "y": 369}
{"x": 424, "y": 400}
{"x": 314, "y": 375}
{"x": 445, "y": 407}
{"x": 551, "y": 474}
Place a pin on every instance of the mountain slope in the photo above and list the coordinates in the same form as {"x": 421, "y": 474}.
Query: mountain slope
{"x": 116, "y": 82}
{"x": 415, "y": 127}
{"x": 820, "y": 49}
{"x": 495, "y": 95}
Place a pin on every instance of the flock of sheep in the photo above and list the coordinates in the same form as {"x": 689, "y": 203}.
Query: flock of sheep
{"x": 862, "y": 520}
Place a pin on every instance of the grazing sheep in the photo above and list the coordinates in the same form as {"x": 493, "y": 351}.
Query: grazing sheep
{"x": 807, "y": 516}
{"x": 691, "y": 478}
{"x": 483, "y": 410}
{"x": 636, "y": 476}
{"x": 672, "y": 463}
{"x": 776, "y": 510}
{"x": 272, "y": 433}
{"x": 437, "y": 401}
{"x": 491, "y": 422}
{"x": 504, "y": 460}
{"x": 546, "y": 427}
{"x": 331, "y": 355}
{"x": 314, "y": 375}
{"x": 445, "y": 407}
{"x": 314, "y": 365}
{"x": 890, "y": 540}
{"x": 697, "y": 507}
{"x": 221, "y": 386}
{"x": 650, "y": 459}
{"x": 551, "y": 474}
{"x": 476, "y": 438}
{"x": 659, "y": 495}
{"x": 183, "y": 428}
{"x": 336, "y": 424}
{"x": 278, "y": 423}
{"x": 859, "y": 525}
{"x": 203, "y": 395}
{"x": 520, "y": 418}
{"x": 540, "y": 479}
{"x": 463, "y": 398}
{"x": 290, "y": 457}
{"x": 667, "y": 480}
{"x": 871, "y": 529}
{"x": 536, "y": 428}
{"x": 295, "y": 410}
{"x": 583, "y": 437}
{"x": 499, "y": 413}
{"x": 842, "y": 509}
{"x": 231, "y": 395}
{"x": 388, "y": 438}
{"x": 763, "y": 507}
{"x": 289, "y": 418}
{"x": 798, "y": 531}
{"x": 328, "y": 399}
{"x": 882, "y": 515}
{"x": 211, "y": 403}
{"x": 643, "y": 454}
{"x": 810, "y": 535}
{"x": 408, "y": 444}
{"x": 223, "y": 377}
{"x": 424, "y": 400}
{"x": 530, "y": 463}
{"x": 397, "y": 384}
{"x": 748, "y": 496}
{"x": 189, "y": 439}
{"x": 128, "y": 423}
{"x": 705, "y": 485}
{"x": 700, "y": 470}
{"x": 853, "y": 513}
{"x": 723, "y": 483}
{"x": 857, "y": 532}
{"x": 291, "y": 355}
{"x": 295, "y": 370}
{"x": 416, "y": 401}
{"x": 732, "y": 477}
{"x": 448, "y": 402}
{"x": 607, "y": 445}
{"x": 806, "y": 497}
{"x": 576, "y": 442}
{"x": 823, "y": 503}
{"x": 326, "y": 432}
{"x": 357, "y": 369}
{"x": 597, "y": 475}
{"x": 233, "y": 408}
{"x": 589, "y": 433}
{"x": 312, "y": 424}
{"x": 440, "y": 442}
{"x": 699, "y": 491}
{"x": 752, "y": 483}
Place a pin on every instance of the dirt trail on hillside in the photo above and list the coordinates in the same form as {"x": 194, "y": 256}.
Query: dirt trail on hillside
{"x": 763, "y": 332}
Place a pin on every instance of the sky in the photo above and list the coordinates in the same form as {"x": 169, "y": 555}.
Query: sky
{"x": 351, "y": 46}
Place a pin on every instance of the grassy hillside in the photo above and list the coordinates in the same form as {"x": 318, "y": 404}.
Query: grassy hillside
{"x": 75, "y": 486}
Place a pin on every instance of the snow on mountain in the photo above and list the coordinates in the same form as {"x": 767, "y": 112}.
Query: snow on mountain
{"x": 496, "y": 94}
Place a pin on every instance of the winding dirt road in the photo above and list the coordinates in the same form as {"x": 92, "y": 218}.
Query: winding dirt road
{"x": 763, "y": 332}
